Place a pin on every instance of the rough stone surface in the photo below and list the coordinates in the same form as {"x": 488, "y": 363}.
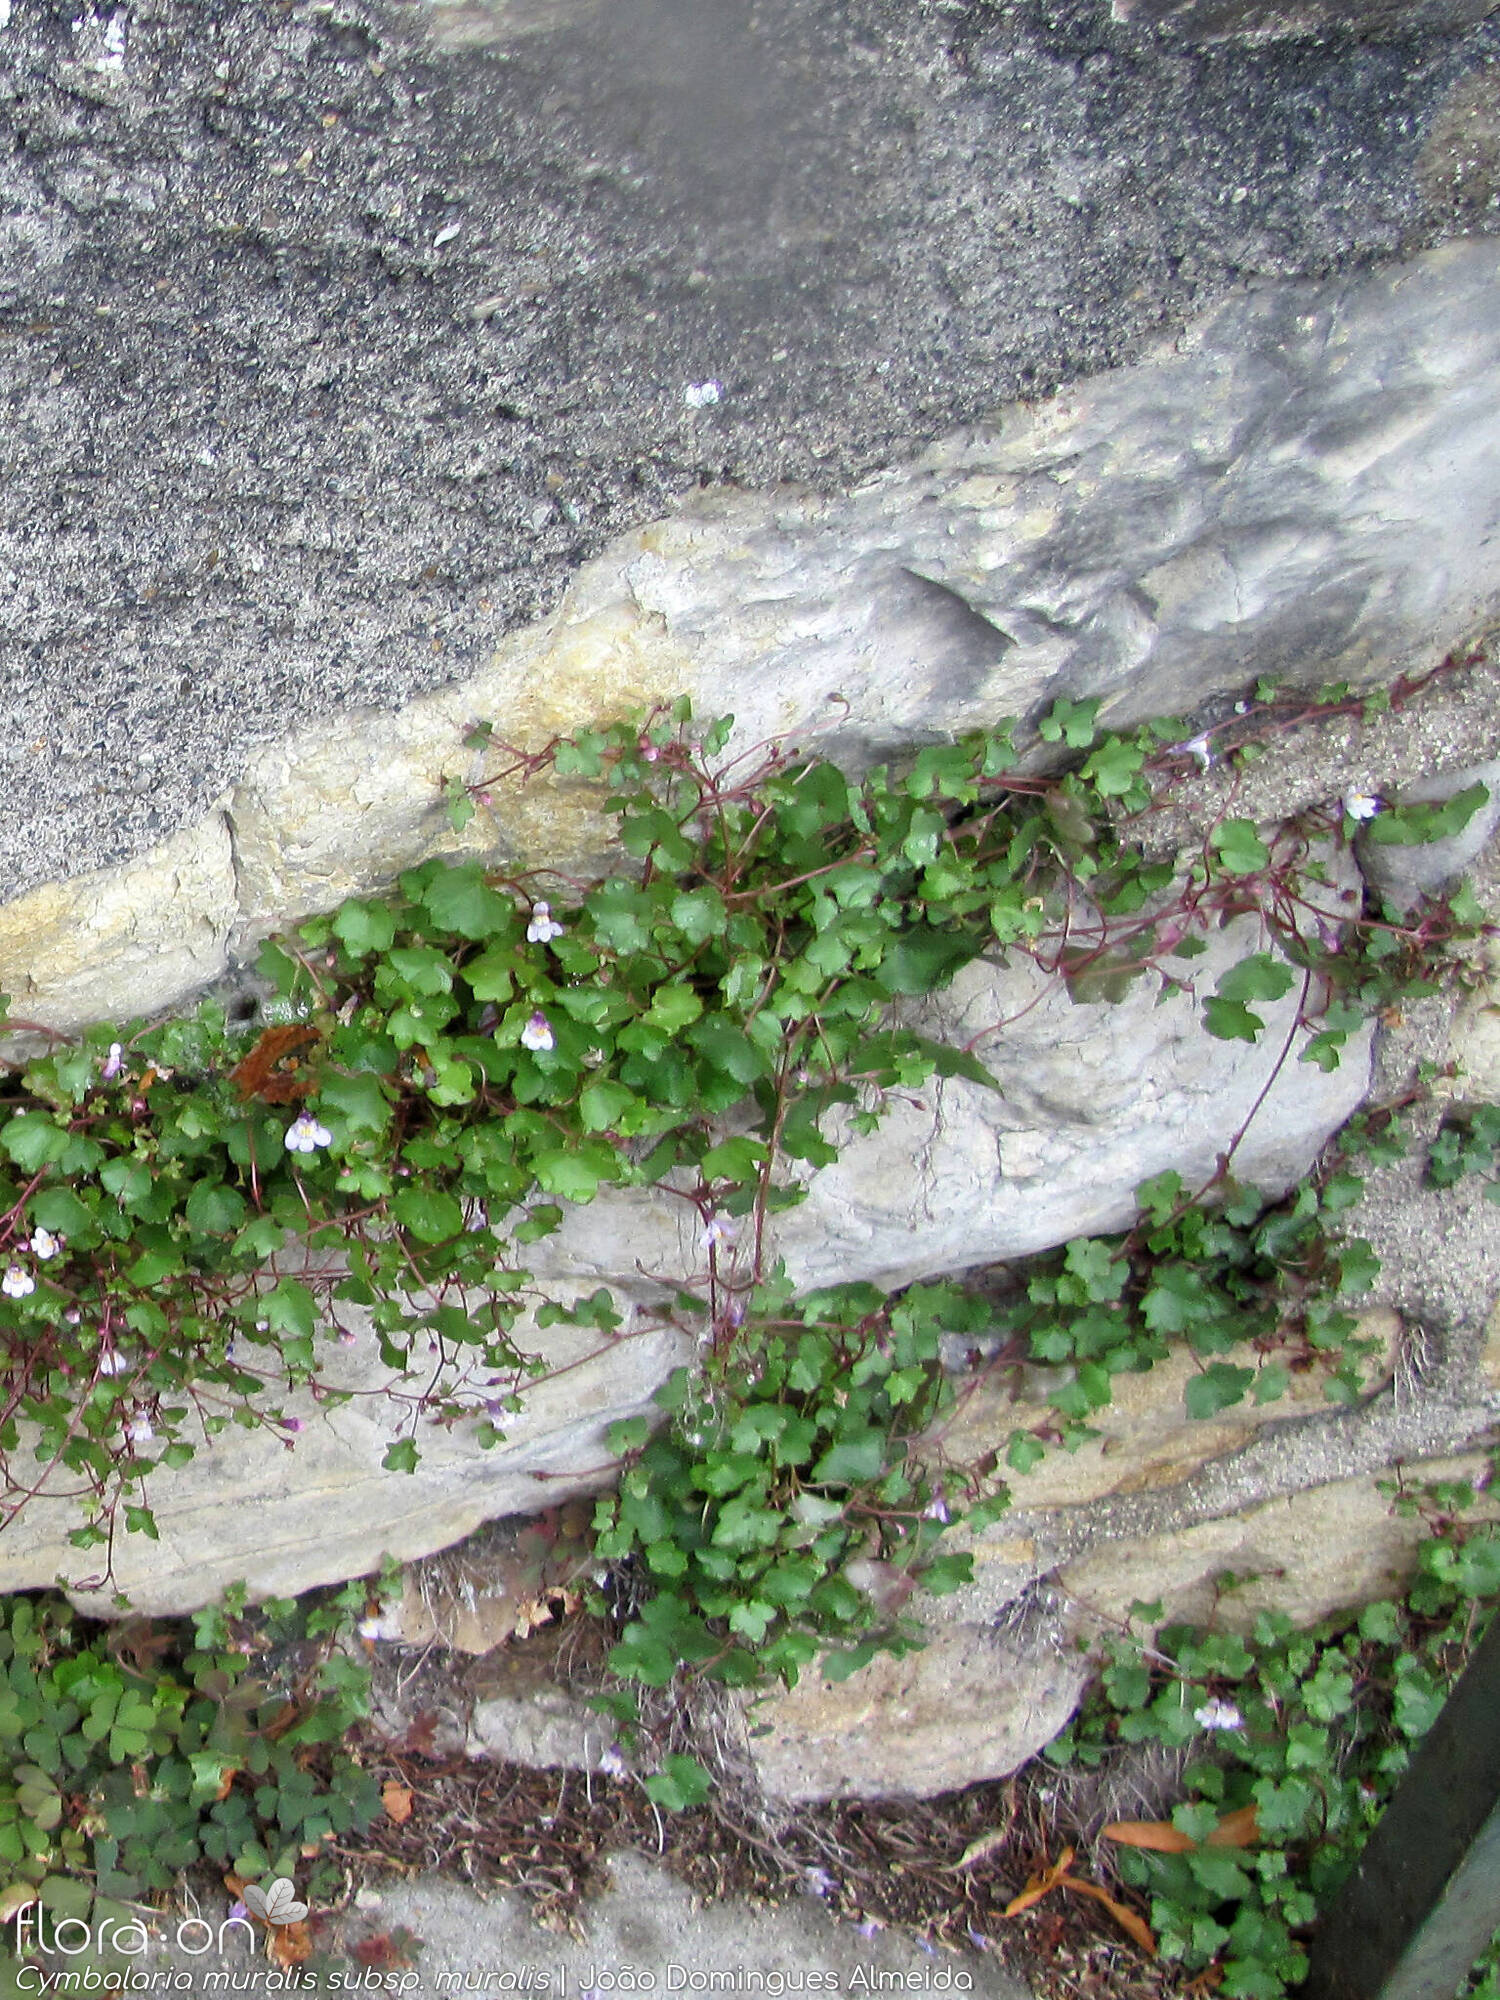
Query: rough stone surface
{"x": 1095, "y": 1097}
{"x": 649, "y": 1926}
{"x": 1308, "y": 1555}
{"x": 336, "y": 337}
{"x": 970, "y": 1704}
{"x": 1405, "y": 873}
{"x": 1271, "y": 20}
{"x": 123, "y": 940}
{"x": 1145, "y": 1441}
{"x": 285, "y": 1515}
{"x": 1263, "y": 498}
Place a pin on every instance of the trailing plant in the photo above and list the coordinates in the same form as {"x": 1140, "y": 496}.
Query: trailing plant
{"x": 1467, "y": 1142}
{"x": 127, "y": 1755}
{"x": 797, "y": 1494}
{"x": 1292, "y": 1742}
{"x": 187, "y": 1210}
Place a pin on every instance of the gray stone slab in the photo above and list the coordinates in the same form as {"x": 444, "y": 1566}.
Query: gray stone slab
{"x": 332, "y": 338}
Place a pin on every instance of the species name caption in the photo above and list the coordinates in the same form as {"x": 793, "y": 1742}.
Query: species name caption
{"x": 555, "y": 1982}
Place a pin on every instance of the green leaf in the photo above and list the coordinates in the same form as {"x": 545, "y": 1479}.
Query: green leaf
{"x": 680, "y": 1784}
{"x": 215, "y": 1209}
{"x": 1260, "y": 977}
{"x": 60, "y": 1210}
{"x": 1240, "y": 849}
{"x": 288, "y": 1308}
{"x": 852, "y": 1460}
{"x": 363, "y": 928}
{"x": 459, "y": 899}
{"x": 357, "y": 1102}
{"x": 673, "y": 1007}
{"x": 427, "y": 1214}
{"x": 699, "y": 914}
{"x": 32, "y": 1141}
{"x": 922, "y": 959}
{"x": 1229, "y": 1021}
{"x": 727, "y": 1046}
{"x": 734, "y": 1160}
{"x": 1219, "y": 1386}
{"x": 642, "y": 1656}
{"x": 1114, "y": 767}
{"x": 1417, "y": 824}
{"x": 401, "y": 1456}
{"x": 602, "y": 1103}
{"x": 575, "y": 1175}
{"x": 1070, "y": 721}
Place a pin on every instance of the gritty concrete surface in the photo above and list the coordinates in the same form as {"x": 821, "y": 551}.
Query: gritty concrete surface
{"x": 648, "y": 1934}
{"x": 333, "y": 337}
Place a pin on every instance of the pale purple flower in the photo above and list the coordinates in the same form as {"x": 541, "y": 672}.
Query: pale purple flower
{"x": 537, "y": 1034}
{"x": 116, "y": 1064}
{"x": 1216, "y": 1714}
{"x": 1197, "y": 747}
{"x": 305, "y": 1135}
{"x": 44, "y": 1244}
{"x": 718, "y": 1229}
{"x": 937, "y": 1510}
{"x": 818, "y": 1882}
{"x": 869, "y": 1927}
{"x": 292, "y": 1424}
{"x": 348, "y": 1337}
{"x": 139, "y": 1430}
{"x": 113, "y": 1362}
{"x": 17, "y": 1284}
{"x": 543, "y": 928}
{"x": 612, "y": 1764}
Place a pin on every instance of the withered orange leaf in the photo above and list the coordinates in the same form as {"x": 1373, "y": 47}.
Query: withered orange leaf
{"x": 1132, "y": 1925}
{"x": 1041, "y": 1885}
{"x": 270, "y": 1071}
{"x": 1236, "y": 1829}
{"x": 397, "y": 1801}
{"x": 289, "y": 1944}
{"x": 1159, "y": 1835}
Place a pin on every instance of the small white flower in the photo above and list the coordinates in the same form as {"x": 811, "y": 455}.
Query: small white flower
{"x": 1216, "y": 1714}
{"x": 537, "y": 1034}
{"x": 113, "y": 1362}
{"x": 306, "y": 1135}
{"x": 1361, "y": 805}
{"x": 718, "y": 1229}
{"x": 542, "y": 929}
{"x": 697, "y": 394}
{"x": 937, "y": 1510}
{"x": 612, "y": 1764}
{"x": 44, "y": 1244}
{"x": 1197, "y": 747}
{"x": 139, "y": 1430}
{"x": 17, "y": 1284}
{"x": 116, "y": 1064}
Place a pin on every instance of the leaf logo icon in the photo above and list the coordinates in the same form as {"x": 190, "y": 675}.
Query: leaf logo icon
{"x": 276, "y": 1905}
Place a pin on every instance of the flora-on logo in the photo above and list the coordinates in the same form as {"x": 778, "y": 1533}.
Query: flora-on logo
{"x": 276, "y": 1905}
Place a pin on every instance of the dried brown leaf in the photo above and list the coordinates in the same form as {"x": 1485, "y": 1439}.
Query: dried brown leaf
{"x": 1132, "y": 1925}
